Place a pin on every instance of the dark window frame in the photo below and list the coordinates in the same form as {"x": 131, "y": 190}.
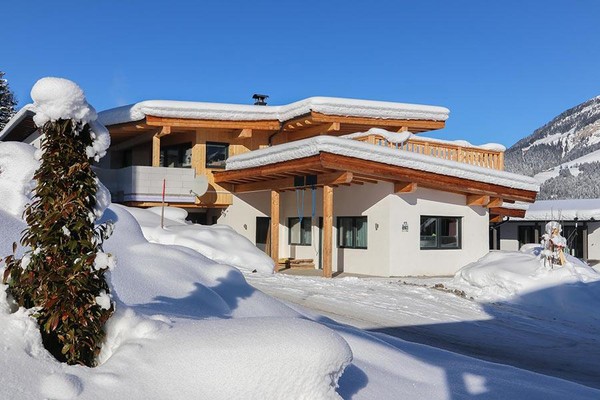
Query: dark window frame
{"x": 181, "y": 150}
{"x": 212, "y": 166}
{"x": 524, "y": 231}
{"x": 306, "y": 221}
{"x": 353, "y": 245}
{"x": 438, "y": 225}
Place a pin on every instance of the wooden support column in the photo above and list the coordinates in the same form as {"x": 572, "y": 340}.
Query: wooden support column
{"x": 156, "y": 151}
{"x": 275, "y": 228}
{"x": 327, "y": 231}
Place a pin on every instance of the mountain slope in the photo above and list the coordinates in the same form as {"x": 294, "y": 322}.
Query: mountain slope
{"x": 564, "y": 154}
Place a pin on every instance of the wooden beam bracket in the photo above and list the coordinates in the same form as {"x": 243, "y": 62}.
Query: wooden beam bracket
{"x": 477, "y": 200}
{"x": 405, "y": 187}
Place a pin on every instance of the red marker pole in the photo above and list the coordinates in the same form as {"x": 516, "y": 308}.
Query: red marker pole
{"x": 162, "y": 213}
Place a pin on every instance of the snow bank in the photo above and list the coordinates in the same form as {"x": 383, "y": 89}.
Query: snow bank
{"x": 186, "y": 327}
{"x": 502, "y": 275}
{"x": 215, "y": 242}
{"x": 17, "y": 165}
{"x": 242, "y": 112}
{"x": 352, "y": 148}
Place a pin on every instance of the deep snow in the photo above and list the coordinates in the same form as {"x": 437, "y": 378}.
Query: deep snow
{"x": 187, "y": 326}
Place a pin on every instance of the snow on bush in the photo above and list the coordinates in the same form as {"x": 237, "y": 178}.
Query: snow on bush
{"x": 17, "y": 165}
{"x": 58, "y": 98}
{"x": 215, "y": 241}
{"x": 186, "y": 327}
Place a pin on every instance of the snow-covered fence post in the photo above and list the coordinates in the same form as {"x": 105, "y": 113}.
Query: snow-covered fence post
{"x": 62, "y": 274}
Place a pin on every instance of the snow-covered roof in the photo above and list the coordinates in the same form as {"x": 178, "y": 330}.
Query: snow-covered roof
{"x": 582, "y": 209}
{"x": 16, "y": 120}
{"x": 353, "y": 148}
{"x": 243, "y": 112}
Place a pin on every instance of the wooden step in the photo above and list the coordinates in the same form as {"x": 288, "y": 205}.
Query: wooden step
{"x": 300, "y": 263}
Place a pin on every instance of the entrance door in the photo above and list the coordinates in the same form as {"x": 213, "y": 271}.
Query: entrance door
{"x": 263, "y": 234}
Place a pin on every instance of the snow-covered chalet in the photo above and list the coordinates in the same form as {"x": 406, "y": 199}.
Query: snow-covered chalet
{"x": 340, "y": 185}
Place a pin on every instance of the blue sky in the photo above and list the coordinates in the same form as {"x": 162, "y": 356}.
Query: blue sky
{"x": 503, "y": 68}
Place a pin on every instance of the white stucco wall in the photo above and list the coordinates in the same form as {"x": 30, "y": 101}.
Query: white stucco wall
{"x": 406, "y": 256}
{"x": 593, "y": 240}
{"x": 390, "y": 252}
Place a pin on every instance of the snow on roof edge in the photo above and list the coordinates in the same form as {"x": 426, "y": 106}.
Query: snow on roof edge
{"x": 16, "y": 119}
{"x": 245, "y": 112}
{"x": 563, "y": 209}
{"x": 401, "y": 137}
{"x": 352, "y": 148}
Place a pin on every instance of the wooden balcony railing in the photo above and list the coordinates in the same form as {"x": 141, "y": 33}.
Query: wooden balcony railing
{"x": 493, "y": 159}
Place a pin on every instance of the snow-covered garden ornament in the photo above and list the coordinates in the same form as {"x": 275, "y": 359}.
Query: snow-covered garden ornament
{"x": 553, "y": 244}
{"x": 62, "y": 275}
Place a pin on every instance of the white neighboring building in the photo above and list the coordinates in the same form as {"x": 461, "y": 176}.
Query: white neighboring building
{"x": 580, "y": 220}
{"x": 340, "y": 183}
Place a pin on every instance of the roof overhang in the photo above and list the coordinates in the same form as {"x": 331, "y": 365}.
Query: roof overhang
{"x": 334, "y": 169}
{"x": 19, "y": 127}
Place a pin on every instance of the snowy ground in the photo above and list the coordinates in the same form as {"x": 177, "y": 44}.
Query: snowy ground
{"x": 188, "y": 325}
{"x": 554, "y": 330}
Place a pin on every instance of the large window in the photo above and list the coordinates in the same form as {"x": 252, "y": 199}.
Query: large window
{"x": 440, "y": 232}
{"x": 177, "y": 156}
{"x": 300, "y": 233}
{"x": 216, "y": 154}
{"x": 352, "y": 232}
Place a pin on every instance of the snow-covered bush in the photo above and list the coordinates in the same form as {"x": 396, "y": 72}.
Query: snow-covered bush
{"x": 61, "y": 276}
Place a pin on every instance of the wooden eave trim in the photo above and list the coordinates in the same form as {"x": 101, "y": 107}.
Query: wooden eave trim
{"x": 263, "y": 172}
{"x": 407, "y": 123}
{"x": 424, "y": 178}
{"x": 508, "y": 212}
{"x": 373, "y": 170}
{"x": 267, "y": 125}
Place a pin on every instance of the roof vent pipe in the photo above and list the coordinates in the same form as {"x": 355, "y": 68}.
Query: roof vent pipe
{"x": 260, "y": 99}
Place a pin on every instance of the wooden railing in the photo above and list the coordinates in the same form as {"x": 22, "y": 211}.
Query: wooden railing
{"x": 470, "y": 155}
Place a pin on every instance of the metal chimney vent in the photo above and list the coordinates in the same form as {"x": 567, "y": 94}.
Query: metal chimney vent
{"x": 260, "y": 99}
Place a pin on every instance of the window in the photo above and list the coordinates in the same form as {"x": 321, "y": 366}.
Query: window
{"x": 440, "y": 232}
{"x": 352, "y": 232}
{"x": 526, "y": 234}
{"x": 177, "y": 156}
{"x": 299, "y": 234}
{"x": 216, "y": 154}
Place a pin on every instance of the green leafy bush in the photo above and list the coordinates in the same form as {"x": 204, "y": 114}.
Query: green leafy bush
{"x": 62, "y": 275}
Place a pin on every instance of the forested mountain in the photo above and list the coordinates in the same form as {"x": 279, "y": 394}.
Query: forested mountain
{"x": 564, "y": 154}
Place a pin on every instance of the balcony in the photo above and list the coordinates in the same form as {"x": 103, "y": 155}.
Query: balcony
{"x": 479, "y": 156}
{"x": 145, "y": 184}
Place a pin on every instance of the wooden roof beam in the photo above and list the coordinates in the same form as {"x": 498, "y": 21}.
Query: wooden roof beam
{"x": 431, "y": 180}
{"x": 268, "y": 125}
{"x": 495, "y": 202}
{"x": 398, "y": 123}
{"x": 508, "y": 212}
{"x": 300, "y": 164}
{"x": 164, "y": 131}
{"x": 313, "y": 130}
{"x": 477, "y": 200}
{"x": 405, "y": 187}
{"x": 335, "y": 178}
{"x": 494, "y": 219}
